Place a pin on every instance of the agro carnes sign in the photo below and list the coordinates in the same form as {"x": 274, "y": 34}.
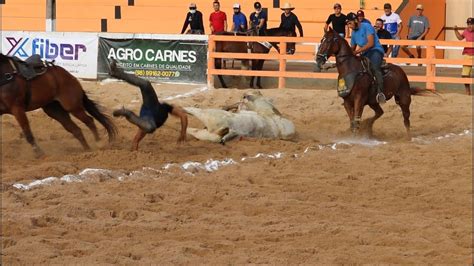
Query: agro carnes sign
{"x": 165, "y": 60}
{"x": 76, "y": 52}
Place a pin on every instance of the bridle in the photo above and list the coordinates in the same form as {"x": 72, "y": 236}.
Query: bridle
{"x": 324, "y": 56}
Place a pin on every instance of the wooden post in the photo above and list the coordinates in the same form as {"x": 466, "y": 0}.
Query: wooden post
{"x": 430, "y": 67}
{"x": 282, "y": 69}
{"x": 210, "y": 61}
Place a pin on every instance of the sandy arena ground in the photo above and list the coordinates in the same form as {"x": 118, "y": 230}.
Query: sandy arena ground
{"x": 397, "y": 202}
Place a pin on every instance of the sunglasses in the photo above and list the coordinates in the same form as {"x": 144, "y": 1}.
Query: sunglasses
{"x": 192, "y": 8}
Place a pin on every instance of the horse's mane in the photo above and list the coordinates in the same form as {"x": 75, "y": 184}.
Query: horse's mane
{"x": 3, "y": 57}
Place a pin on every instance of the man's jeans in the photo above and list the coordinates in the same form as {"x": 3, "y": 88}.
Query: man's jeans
{"x": 396, "y": 48}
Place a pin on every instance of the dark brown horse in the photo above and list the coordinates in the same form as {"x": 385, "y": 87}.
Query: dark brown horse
{"x": 57, "y": 92}
{"x": 395, "y": 82}
{"x": 252, "y": 47}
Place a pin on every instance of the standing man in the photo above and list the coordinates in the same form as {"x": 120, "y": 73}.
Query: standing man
{"x": 258, "y": 19}
{"x": 393, "y": 24}
{"x": 239, "y": 21}
{"x": 383, "y": 34}
{"x": 364, "y": 41}
{"x": 468, "y": 52}
{"x": 418, "y": 27}
{"x": 361, "y": 17}
{"x": 289, "y": 22}
{"x": 338, "y": 21}
{"x": 193, "y": 18}
{"x": 217, "y": 19}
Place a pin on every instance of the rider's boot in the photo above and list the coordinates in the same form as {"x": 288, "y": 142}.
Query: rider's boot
{"x": 117, "y": 72}
{"x": 379, "y": 80}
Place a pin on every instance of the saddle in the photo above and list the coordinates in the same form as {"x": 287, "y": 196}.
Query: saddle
{"x": 32, "y": 67}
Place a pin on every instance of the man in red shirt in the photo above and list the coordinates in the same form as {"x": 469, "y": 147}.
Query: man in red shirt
{"x": 218, "y": 19}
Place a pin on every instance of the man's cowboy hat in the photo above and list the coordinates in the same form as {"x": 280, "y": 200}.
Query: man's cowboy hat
{"x": 287, "y": 6}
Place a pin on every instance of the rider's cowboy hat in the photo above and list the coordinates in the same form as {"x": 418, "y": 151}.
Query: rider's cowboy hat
{"x": 287, "y": 6}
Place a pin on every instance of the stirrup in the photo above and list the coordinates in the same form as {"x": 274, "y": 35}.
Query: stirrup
{"x": 380, "y": 98}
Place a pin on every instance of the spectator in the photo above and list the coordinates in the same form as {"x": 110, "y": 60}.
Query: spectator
{"x": 239, "y": 21}
{"x": 393, "y": 24}
{"x": 361, "y": 17}
{"x": 383, "y": 34}
{"x": 193, "y": 18}
{"x": 218, "y": 19}
{"x": 468, "y": 52}
{"x": 338, "y": 21}
{"x": 418, "y": 27}
{"x": 289, "y": 22}
{"x": 258, "y": 19}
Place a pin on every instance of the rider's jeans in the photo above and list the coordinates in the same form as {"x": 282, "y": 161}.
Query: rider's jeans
{"x": 375, "y": 57}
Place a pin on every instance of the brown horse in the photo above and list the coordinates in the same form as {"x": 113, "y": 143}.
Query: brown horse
{"x": 395, "y": 82}
{"x": 57, "y": 92}
{"x": 253, "y": 47}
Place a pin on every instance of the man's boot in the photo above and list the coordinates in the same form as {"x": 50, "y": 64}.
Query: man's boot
{"x": 117, "y": 72}
{"x": 379, "y": 79}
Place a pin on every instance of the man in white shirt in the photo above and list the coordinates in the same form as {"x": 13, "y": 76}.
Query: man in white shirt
{"x": 393, "y": 24}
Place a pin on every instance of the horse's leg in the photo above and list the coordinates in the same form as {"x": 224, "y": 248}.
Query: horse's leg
{"x": 22, "y": 120}
{"x": 405, "y": 101}
{"x": 349, "y": 106}
{"x": 57, "y": 112}
{"x": 80, "y": 114}
{"x": 254, "y": 67}
{"x": 378, "y": 113}
{"x": 260, "y": 67}
{"x": 218, "y": 65}
{"x": 358, "y": 109}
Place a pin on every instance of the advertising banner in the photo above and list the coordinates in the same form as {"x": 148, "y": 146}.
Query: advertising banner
{"x": 156, "y": 60}
{"x": 76, "y": 52}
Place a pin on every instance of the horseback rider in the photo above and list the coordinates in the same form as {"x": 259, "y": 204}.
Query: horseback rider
{"x": 365, "y": 42}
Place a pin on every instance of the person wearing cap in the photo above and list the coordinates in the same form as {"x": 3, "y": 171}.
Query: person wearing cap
{"x": 383, "y": 34}
{"x": 418, "y": 27}
{"x": 338, "y": 21}
{"x": 393, "y": 24}
{"x": 239, "y": 21}
{"x": 361, "y": 17}
{"x": 289, "y": 22}
{"x": 217, "y": 19}
{"x": 468, "y": 52}
{"x": 193, "y": 18}
{"x": 258, "y": 19}
{"x": 364, "y": 41}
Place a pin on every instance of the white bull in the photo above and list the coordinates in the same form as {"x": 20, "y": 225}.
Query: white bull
{"x": 260, "y": 119}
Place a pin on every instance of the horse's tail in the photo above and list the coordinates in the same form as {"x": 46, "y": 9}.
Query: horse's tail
{"x": 93, "y": 109}
{"x": 421, "y": 92}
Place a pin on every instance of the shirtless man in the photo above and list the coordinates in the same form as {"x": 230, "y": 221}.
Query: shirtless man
{"x": 153, "y": 114}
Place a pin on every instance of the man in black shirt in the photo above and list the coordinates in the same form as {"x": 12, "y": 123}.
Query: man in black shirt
{"x": 193, "y": 18}
{"x": 338, "y": 21}
{"x": 383, "y": 34}
{"x": 289, "y": 22}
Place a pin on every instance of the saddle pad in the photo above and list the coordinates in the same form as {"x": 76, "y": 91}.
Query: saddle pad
{"x": 345, "y": 84}
{"x": 266, "y": 44}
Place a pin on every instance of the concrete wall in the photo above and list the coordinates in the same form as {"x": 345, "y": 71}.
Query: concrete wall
{"x": 457, "y": 12}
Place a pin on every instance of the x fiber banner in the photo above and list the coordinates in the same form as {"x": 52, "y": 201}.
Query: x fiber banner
{"x": 156, "y": 60}
{"x": 76, "y": 52}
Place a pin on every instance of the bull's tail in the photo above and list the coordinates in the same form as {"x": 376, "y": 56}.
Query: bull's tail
{"x": 93, "y": 109}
